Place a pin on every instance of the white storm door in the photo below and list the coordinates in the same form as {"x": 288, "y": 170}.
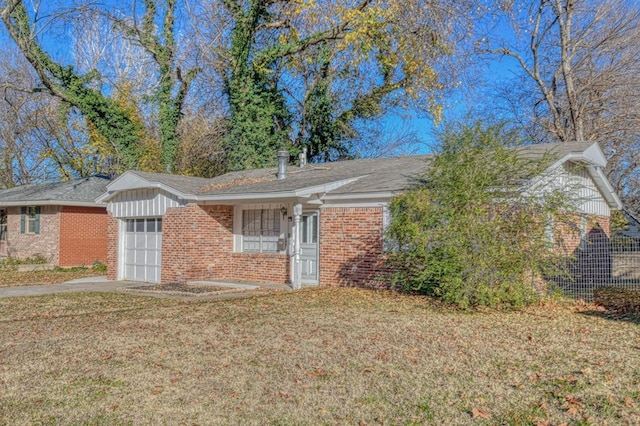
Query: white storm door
{"x": 309, "y": 247}
{"x": 143, "y": 250}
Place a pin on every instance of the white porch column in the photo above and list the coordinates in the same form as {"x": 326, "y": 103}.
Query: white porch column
{"x": 297, "y": 238}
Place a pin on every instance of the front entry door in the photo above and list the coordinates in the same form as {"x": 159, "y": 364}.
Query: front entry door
{"x": 309, "y": 247}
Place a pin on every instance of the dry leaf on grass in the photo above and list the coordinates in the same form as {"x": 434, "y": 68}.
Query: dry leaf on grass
{"x": 480, "y": 413}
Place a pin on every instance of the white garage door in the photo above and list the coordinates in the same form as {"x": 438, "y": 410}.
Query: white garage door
{"x": 143, "y": 249}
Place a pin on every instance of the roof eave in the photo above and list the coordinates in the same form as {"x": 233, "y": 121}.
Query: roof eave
{"x": 592, "y": 155}
{"x": 360, "y": 195}
{"x": 606, "y": 189}
{"x": 116, "y": 187}
{"x": 50, "y": 203}
{"x": 292, "y": 194}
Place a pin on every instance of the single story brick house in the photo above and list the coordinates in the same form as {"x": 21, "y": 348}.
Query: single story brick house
{"x": 60, "y": 222}
{"x": 304, "y": 225}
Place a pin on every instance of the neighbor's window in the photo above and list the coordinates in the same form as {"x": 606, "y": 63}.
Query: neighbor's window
{"x": 30, "y": 220}
{"x": 260, "y": 230}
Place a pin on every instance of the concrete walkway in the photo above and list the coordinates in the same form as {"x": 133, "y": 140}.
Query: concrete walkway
{"x": 102, "y": 284}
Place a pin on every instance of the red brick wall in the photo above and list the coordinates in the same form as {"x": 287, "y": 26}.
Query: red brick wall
{"x": 197, "y": 244}
{"x": 591, "y": 262}
{"x": 83, "y": 235}
{"x": 351, "y": 246}
{"x": 260, "y": 267}
{"x": 569, "y": 238}
{"x": 112, "y": 247}
{"x": 194, "y": 242}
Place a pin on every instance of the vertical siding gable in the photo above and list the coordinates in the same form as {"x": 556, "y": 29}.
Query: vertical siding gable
{"x": 591, "y": 199}
{"x": 143, "y": 203}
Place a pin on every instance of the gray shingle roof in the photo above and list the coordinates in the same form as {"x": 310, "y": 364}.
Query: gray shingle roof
{"x": 84, "y": 190}
{"x": 371, "y": 175}
{"x": 185, "y": 184}
{"x": 374, "y": 175}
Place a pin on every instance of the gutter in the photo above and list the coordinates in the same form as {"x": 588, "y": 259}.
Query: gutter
{"x": 50, "y": 203}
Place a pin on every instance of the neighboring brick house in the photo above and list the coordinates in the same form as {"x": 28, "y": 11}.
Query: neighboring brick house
{"x": 60, "y": 222}
{"x": 316, "y": 224}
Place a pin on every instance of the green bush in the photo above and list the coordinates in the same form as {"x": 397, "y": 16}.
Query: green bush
{"x": 99, "y": 266}
{"x": 470, "y": 232}
{"x": 12, "y": 262}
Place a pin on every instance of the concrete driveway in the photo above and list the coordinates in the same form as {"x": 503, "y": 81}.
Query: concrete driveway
{"x": 101, "y": 284}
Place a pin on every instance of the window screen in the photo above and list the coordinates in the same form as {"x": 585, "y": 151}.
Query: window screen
{"x": 260, "y": 230}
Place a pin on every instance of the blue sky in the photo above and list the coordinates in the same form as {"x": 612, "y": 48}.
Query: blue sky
{"x": 455, "y": 103}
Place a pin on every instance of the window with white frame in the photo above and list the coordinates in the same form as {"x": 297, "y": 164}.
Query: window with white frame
{"x": 549, "y": 230}
{"x": 260, "y": 230}
{"x": 388, "y": 244}
{"x": 30, "y": 220}
{"x": 584, "y": 236}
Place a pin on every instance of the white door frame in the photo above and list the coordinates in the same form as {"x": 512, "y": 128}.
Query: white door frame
{"x": 310, "y": 213}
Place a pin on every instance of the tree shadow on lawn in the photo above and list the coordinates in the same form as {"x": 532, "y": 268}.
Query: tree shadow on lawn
{"x": 612, "y": 315}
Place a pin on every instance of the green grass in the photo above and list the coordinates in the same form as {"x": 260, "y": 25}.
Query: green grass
{"x": 326, "y": 356}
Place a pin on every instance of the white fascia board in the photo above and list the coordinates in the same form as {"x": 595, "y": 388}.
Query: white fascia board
{"x": 248, "y": 196}
{"x": 592, "y": 155}
{"x": 50, "y": 203}
{"x": 355, "y": 204}
{"x": 574, "y": 157}
{"x": 595, "y": 156}
{"x": 130, "y": 181}
{"x": 385, "y": 195}
{"x": 603, "y": 184}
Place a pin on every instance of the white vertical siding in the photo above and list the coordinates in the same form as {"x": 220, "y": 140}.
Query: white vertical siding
{"x": 590, "y": 199}
{"x": 143, "y": 203}
{"x": 574, "y": 180}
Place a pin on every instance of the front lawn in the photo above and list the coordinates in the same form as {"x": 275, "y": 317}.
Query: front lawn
{"x": 10, "y": 277}
{"x": 327, "y": 356}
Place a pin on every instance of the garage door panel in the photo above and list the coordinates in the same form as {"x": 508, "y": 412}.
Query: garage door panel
{"x": 151, "y": 258}
{"x": 142, "y": 250}
{"x": 129, "y": 243}
{"x": 152, "y": 241}
{"x": 140, "y": 241}
{"x": 129, "y": 271}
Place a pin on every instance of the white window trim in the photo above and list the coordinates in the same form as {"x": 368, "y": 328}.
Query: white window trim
{"x": 584, "y": 222}
{"x": 285, "y": 225}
